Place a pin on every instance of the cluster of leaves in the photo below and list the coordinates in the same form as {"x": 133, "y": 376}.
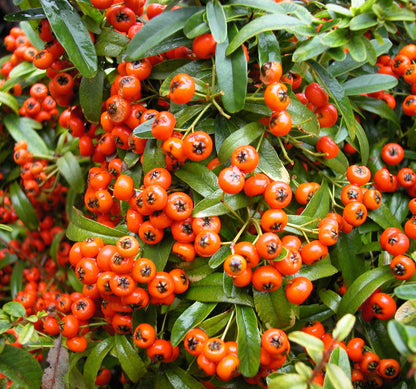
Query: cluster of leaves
{"x": 333, "y": 43}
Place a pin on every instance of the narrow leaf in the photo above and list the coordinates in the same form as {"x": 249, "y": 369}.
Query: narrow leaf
{"x": 337, "y": 377}
{"x": 287, "y": 381}
{"x": 319, "y": 270}
{"x": 180, "y": 378}
{"x": 16, "y": 280}
{"x": 152, "y": 156}
{"x": 91, "y": 96}
{"x": 231, "y": 73}
{"x": 216, "y": 20}
{"x": 199, "y": 178}
{"x": 318, "y": 205}
{"x": 68, "y": 165}
{"x": 190, "y": 318}
{"x": 72, "y": 34}
{"x": 95, "y": 359}
{"x": 268, "y": 48}
{"x": 158, "y": 253}
{"x": 248, "y": 339}
{"x": 10, "y": 101}
{"x": 369, "y": 83}
{"x": 26, "y": 14}
{"x": 343, "y": 327}
{"x": 270, "y": 163}
{"x": 157, "y": 30}
{"x": 23, "y": 207}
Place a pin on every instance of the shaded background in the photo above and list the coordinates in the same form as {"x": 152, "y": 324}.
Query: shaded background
{"x": 6, "y": 6}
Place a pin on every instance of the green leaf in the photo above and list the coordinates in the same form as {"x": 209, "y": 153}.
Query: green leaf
{"x": 152, "y": 156}
{"x": 262, "y": 24}
{"x": 377, "y": 106}
{"x": 26, "y": 333}
{"x": 270, "y": 163}
{"x": 335, "y": 38}
{"x": 274, "y": 310}
{"x": 319, "y": 270}
{"x": 110, "y": 43}
{"x": 10, "y": 101}
{"x": 286, "y": 381}
{"x": 330, "y": 298}
{"x": 198, "y": 177}
{"x": 212, "y": 205}
{"x": 314, "y": 346}
{"x": 406, "y": 291}
{"x": 243, "y": 136}
{"x": 337, "y": 377}
{"x": 95, "y": 359}
{"x": 14, "y": 308}
{"x": 20, "y": 367}
{"x": 231, "y": 73}
{"x": 23, "y": 207}
{"x": 144, "y": 130}
{"x": 218, "y": 257}
{"x": 22, "y": 73}
{"x": 362, "y": 288}
{"x": 357, "y": 49}
{"x": 339, "y": 164}
{"x": 157, "y": 30}
{"x": 248, "y": 339}
{"x": 69, "y": 167}
{"x": 190, "y": 318}
{"x": 309, "y": 49}
{"x": 91, "y": 96}
{"x": 210, "y": 289}
{"x": 335, "y": 91}
{"x": 180, "y": 378}
{"x": 268, "y": 48}
{"x": 26, "y": 14}
{"x": 363, "y": 22}
{"x": 398, "y": 335}
{"x": 81, "y": 228}
{"x": 22, "y": 128}
{"x": 72, "y": 34}
{"x": 400, "y": 15}
{"x": 339, "y": 357}
{"x": 318, "y": 205}
{"x": 158, "y": 253}
{"x": 384, "y": 217}
{"x": 216, "y": 20}
{"x": 196, "y": 25}
{"x": 302, "y": 117}
{"x": 215, "y": 324}
{"x": 369, "y": 83}
{"x": 129, "y": 359}
{"x": 343, "y": 327}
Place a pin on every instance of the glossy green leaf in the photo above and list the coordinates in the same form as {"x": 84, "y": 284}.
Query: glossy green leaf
{"x": 16, "y": 279}
{"x": 81, "y": 228}
{"x": 274, "y": 309}
{"x": 23, "y": 73}
{"x": 314, "y": 346}
{"x": 14, "y": 308}
{"x": 144, "y": 130}
{"x": 248, "y": 339}
{"x": 196, "y": 25}
{"x": 319, "y": 270}
{"x": 69, "y": 167}
{"x": 302, "y": 117}
{"x": 339, "y": 164}
{"x": 26, "y": 333}
{"x": 158, "y": 253}
{"x": 157, "y": 30}
{"x": 110, "y": 43}
{"x": 95, "y": 359}
{"x": 22, "y": 128}
{"x": 129, "y": 359}
{"x": 286, "y": 381}
{"x": 335, "y": 91}
{"x": 406, "y": 291}
{"x": 216, "y": 20}
{"x": 231, "y": 73}
{"x": 339, "y": 357}
{"x": 378, "y": 107}
{"x": 212, "y": 205}
{"x": 218, "y": 257}
{"x": 270, "y": 163}
{"x": 330, "y": 298}
{"x": 91, "y": 96}
{"x": 384, "y": 217}
{"x": 268, "y": 48}
{"x": 363, "y": 22}
{"x": 309, "y": 49}
{"x": 26, "y": 14}
{"x": 335, "y": 38}
{"x": 199, "y": 178}
{"x": 153, "y": 156}
{"x": 243, "y": 136}
{"x": 398, "y": 335}
{"x": 400, "y": 14}
{"x": 33, "y": 36}
{"x": 262, "y": 24}
{"x": 190, "y": 318}
{"x": 337, "y": 377}
{"x": 369, "y": 83}
{"x": 357, "y": 49}
{"x": 362, "y": 288}
{"x": 318, "y": 205}
{"x": 343, "y": 327}
{"x": 213, "y": 325}
{"x": 179, "y": 378}
{"x": 23, "y": 207}
{"x": 8, "y": 259}
{"x": 20, "y": 367}
{"x": 210, "y": 289}
{"x": 72, "y": 34}
{"x": 10, "y": 101}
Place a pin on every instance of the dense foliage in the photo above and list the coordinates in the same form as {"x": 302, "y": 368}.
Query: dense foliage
{"x": 208, "y": 194}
